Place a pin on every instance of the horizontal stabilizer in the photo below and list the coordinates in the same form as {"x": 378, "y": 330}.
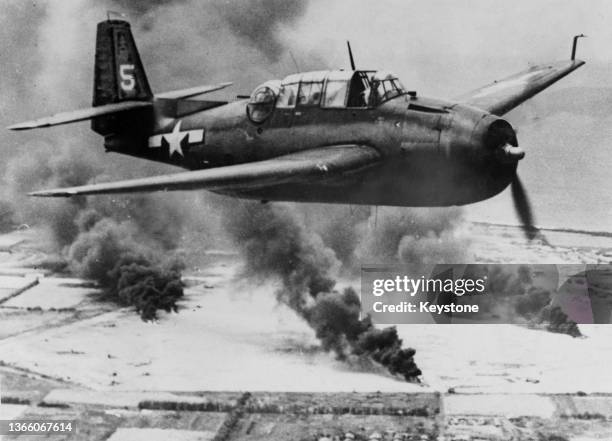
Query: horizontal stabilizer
{"x": 310, "y": 165}
{"x": 81, "y": 115}
{"x": 194, "y": 91}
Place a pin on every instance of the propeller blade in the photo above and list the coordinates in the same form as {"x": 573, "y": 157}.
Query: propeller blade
{"x": 523, "y": 208}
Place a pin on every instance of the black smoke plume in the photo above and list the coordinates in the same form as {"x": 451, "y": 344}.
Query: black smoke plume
{"x": 558, "y": 321}
{"x": 341, "y": 227}
{"x": 537, "y": 305}
{"x": 120, "y": 243}
{"x": 276, "y": 244}
{"x": 515, "y": 287}
{"x": 131, "y": 272}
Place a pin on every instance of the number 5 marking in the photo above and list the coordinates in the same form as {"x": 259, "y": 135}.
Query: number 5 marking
{"x": 126, "y": 72}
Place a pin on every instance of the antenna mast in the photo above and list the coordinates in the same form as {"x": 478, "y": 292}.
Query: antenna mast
{"x": 575, "y": 45}
{"x": 348, "y": 43}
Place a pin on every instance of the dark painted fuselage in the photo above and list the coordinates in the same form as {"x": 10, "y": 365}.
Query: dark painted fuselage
{"x": 434, "y": 153}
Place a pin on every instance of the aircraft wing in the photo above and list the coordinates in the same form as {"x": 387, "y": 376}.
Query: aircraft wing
{"x": 502, "y": 96}
{"x": 194, "y": 91}
{"x": 315, "y": 164}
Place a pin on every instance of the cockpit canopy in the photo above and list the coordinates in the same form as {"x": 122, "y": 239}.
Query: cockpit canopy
{"x": 326, "y": 89}
{"x": 338, "y": 89}
{"x": 261, "y": 103}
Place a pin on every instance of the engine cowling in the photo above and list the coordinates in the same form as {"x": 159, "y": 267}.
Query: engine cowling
{"x": 475, "y": 135}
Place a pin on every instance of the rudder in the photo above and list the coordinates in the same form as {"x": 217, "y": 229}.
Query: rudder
{"x": 119, "y": 74}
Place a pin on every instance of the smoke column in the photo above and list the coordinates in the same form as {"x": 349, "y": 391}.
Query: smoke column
{"x": 364, "y": 235}
{"x": 275, "y": 243}
{"x": 512, "y": 294}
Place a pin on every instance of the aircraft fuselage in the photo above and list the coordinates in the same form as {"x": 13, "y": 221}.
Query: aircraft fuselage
{"x": 435, "y": 153}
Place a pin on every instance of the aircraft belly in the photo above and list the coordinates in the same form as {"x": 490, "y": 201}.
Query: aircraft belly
{"x": 432, "y": 182}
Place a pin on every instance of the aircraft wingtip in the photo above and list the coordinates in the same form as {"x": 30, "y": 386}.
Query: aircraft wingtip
{"x": 36, "y": 194}
{"x": 49, "y": 194}
{"x": 20, "y": 126}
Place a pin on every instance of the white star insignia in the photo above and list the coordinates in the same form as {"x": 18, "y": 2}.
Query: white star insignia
{"x": 174, "y": 140}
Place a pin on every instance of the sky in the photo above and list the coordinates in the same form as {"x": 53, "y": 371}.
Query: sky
{"x": 440, "y": 48}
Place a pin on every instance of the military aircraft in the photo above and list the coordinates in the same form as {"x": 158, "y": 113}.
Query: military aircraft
{"x": 345, "y": 136}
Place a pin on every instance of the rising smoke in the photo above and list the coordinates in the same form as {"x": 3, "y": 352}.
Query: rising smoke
{"x": 363, "y": 235}
{"x": 276, "y": 244}
{"x": 513, "y": 295}
{"x": 429, "y": 235}
{"x": 131, "y": 272}
{"x": 121, "y": 243}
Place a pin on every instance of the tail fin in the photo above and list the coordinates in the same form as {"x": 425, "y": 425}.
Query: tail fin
{"x": 119, "y": 74}
{"x": 122, "y": 97}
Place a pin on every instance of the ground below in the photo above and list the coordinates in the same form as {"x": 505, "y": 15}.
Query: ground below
{"x": 65, "y": 355}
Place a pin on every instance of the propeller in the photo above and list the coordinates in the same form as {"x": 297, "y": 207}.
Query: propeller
{"x": 503, "y": 137}
{"x": 523, "y": 208}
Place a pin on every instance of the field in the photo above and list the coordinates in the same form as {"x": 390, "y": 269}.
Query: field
{"x": 188, "y": 371}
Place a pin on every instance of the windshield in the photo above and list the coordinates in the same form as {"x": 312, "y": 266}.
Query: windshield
{"x": 288, "y": 95}
{"x": 386, "y": 86}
